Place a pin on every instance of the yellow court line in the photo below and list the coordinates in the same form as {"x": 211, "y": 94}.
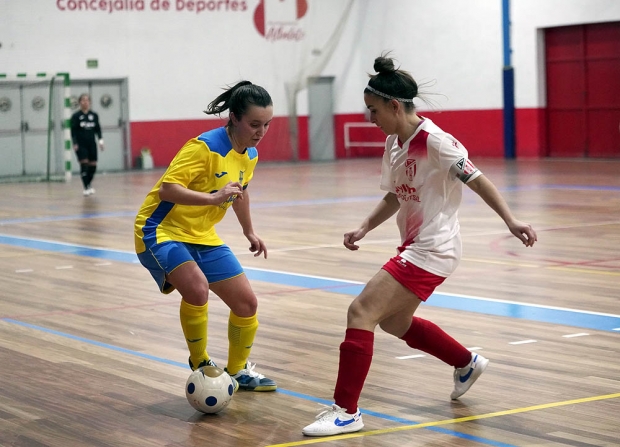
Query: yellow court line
{"x": 538, "y": 266}
{"x": 509, "y": 263}
{"x": 448, "y": 421}
{"x": 576, "y": 270}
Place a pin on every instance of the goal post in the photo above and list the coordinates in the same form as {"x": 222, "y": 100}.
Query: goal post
{"x": 35, "y": 126}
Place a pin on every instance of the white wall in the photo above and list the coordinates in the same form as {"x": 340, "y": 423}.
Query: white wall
{"x": 177, "y": 61}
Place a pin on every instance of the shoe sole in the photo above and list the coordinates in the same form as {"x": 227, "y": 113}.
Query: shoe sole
{"x": 474, "y": 376}
{"x": 259, "y": 388}
{"x": 341, "y": 431}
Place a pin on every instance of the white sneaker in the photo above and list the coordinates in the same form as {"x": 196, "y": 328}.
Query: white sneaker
{"x": 465, "y": 377}
{"x": 92, "y": 190}
{"x": 87, "y": 192}
{"x": 334, "y": 421}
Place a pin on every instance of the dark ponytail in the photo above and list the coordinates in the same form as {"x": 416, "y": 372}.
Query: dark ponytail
{"x": 238, "y": 99}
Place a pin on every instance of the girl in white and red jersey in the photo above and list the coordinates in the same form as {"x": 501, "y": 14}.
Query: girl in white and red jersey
{"x": 424, "y": 169}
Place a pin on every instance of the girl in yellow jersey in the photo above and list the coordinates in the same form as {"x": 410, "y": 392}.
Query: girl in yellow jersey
{"x": 175, "y": 233}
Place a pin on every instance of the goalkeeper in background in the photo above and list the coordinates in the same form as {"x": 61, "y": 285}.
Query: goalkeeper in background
{"x": 86, "y": 136}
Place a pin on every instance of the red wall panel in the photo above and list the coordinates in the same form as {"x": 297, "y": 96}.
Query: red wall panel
{"x": 165, "y": 138}
{"x": 583, "y": 90}
{"x": 479, "y": 130}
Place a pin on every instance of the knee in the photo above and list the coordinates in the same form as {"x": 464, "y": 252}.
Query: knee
{"x": 197, "y": 294}
{"x": 358, "y": 316}
{"x": 246, "y": 307}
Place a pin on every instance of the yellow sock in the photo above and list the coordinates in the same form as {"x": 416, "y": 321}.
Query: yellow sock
{"x": 241, "y": 333}
{"x": 194, "y": 324}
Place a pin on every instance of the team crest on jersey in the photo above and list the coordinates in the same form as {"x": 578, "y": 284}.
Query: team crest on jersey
{"x": 410, "y": 168}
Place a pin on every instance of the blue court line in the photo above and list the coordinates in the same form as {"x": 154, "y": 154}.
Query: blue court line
{"x": 309, "y": 202}
{"x": 279, "y": 390}
{"x": 70, "y": 217}
{"x": 500, "y": 308}
{"x": 132, "y": 214}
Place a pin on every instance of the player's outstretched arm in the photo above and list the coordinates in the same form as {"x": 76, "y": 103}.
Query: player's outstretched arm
{"x": 179, "y": 194}
{"x": 492, "y": 197}
{"x": 388, "y": 206}
{"x": 241, "y": 207}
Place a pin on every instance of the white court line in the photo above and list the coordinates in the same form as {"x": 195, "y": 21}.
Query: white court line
{"x": 64, "y": 267}
{"x": 405, "y": 357}
{"x": 302, "y": 275}
{"x": 522, "y": 342}
{"x": 472, "y": 297}
{"x": 102, "y": 264}
{"x": 580, "y": 334}
{"x": 24, "y": 271}
{"x": 475, "y": 348}
{"x": 524, "y": 303}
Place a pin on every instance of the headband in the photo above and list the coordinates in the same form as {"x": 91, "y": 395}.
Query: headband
{"x": 385, "y": 95}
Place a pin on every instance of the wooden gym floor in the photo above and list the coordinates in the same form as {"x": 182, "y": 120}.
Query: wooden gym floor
{"x": 91, "y": 354}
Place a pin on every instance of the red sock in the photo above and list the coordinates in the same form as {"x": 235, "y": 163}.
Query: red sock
{"x": 355, "y": 359}
{"x": 430, "y": 338}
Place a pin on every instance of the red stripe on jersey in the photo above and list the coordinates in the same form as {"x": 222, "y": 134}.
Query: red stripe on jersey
{"x": 407, "y": 243}
{"x": 418, "y": 144}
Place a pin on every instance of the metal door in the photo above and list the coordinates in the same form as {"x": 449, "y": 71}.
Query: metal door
{"x": 321, "y": 118}
{"x": 35, "y": 115}
{"x": 31, "y": 137}
{"x": 11, "y": 151}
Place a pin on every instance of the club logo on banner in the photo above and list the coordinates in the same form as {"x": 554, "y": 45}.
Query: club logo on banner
{"x": 275, "y": 20}
{"x": 279, "y": 19}
{"x": 114, "y": 6}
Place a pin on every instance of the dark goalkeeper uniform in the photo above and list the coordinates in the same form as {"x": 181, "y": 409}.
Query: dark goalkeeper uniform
{"x": 84, "y": 128}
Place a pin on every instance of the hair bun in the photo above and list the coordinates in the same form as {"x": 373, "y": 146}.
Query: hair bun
{"x": 384, "y": 65}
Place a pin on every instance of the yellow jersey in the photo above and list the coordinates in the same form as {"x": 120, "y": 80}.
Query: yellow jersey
{"x": 206, "y": 164}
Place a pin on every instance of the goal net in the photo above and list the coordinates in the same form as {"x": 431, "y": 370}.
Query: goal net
{"x": 35, "y": 134}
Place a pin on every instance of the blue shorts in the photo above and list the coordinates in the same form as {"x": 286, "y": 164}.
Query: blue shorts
{"x": 218, "y": 263}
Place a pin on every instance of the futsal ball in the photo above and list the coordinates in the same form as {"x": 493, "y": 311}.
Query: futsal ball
{"x": 209, "y": 389}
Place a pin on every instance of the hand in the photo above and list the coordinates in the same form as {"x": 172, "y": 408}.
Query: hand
{"x": 524, "y": 232}
{"x": 232, "y": 189}
{"x": 353, "y": 236}
{"x": 257, "y": 246}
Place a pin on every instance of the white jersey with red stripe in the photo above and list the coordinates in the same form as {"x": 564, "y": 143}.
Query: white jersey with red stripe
{"x": 427, "y": 173}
